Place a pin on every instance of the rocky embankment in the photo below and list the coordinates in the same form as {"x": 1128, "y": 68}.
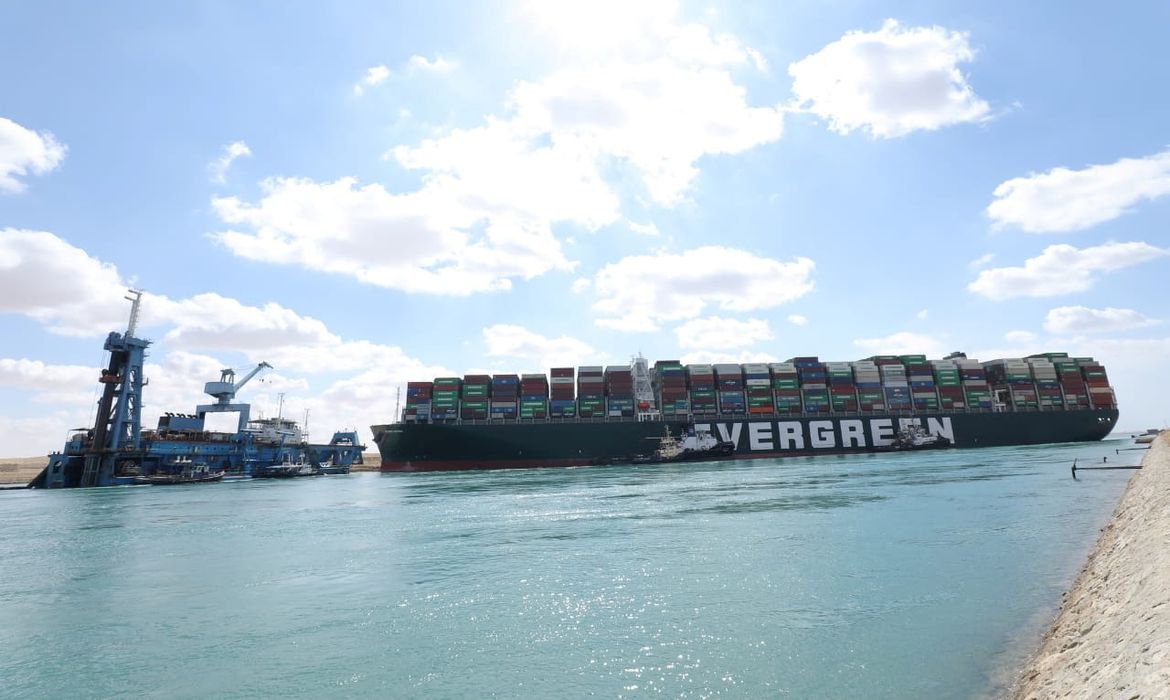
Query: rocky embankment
{"x": 1112, "y": 636}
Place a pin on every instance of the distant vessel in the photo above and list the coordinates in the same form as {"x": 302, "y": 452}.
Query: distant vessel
{"x": 1148, "y": 436}
{"x": 799, "y": 407}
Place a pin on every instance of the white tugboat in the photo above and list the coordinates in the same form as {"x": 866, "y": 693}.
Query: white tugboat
{"x": 915, "y": 437}
{"x": 696, "y": 445}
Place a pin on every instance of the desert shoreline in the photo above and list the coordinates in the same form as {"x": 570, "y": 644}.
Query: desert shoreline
{"x": 1109, "y": 638}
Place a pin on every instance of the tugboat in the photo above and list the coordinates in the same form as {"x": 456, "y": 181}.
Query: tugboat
{"x": 697, "y": 445}
{"x": 188, "y": 473}
{"x": 329, "y": 467}
{"x": 288, "y": 469}
{"x": 915, "y": 437}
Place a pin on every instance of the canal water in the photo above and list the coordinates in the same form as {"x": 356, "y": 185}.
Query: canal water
{"x": 924, "y": 575}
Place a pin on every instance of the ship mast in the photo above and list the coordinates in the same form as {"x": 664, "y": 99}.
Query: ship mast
{"x": 643, "y": 389}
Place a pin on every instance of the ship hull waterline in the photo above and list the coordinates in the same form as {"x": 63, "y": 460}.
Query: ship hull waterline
{"x": 406, "y": 447}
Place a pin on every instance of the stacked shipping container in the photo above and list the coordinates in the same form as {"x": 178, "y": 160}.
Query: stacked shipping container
{"x": 947, "y": 382}
{"x": 729, "y": 385}
{"x": 505, "y": 395}
{"x": 1050, "y": 381}
{"x": 590, "y": 392}
{"x": 757, "y": 386}
{"x": 533, "y": 396}
{"x": 814, "y": 384}
{"x": 669, "y": 381}
{"x": 842, "y": 389}
{"x": 701, "y": 382}
{"x": 562, "y": 402}
{"x": 476, "y": 397}
{"x": 1100, "y": 393}
{"x": 445, "y": 398}
{"x": 868, "y": 380}
{"x": 619, "y": 391}
{"x": 418, "y": 402}
{"x": 786, "y": 387}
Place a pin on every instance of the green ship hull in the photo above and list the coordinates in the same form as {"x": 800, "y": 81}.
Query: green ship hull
{"x": 504, "y": 444}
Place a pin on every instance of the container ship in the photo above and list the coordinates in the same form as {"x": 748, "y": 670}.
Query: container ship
{"x": 597, "y": 415}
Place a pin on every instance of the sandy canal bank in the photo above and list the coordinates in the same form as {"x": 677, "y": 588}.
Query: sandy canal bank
{"x": 21, "y": 470}
{"x": 1112, "y": 636}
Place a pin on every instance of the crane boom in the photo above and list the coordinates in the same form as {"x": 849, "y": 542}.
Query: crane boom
{"x": 225, "y": 389}
{"x": 251, "y": 374}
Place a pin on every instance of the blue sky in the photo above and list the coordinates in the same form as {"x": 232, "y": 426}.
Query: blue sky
{"x": 364, "y": 194}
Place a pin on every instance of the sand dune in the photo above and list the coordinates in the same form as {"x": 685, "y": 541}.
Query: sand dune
{"x": 20, "y": 470}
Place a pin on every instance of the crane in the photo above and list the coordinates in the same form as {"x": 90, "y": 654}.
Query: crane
{"x": 225, "y": 389}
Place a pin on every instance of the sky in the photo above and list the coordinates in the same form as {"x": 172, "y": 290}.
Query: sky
{"x": 366, "y": 193}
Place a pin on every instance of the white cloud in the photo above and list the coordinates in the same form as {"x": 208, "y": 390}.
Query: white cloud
{"x": 210, "y": 321}
{"x": 218, "y": 168}
{"x": 71, "y": 293}
{"x": 25, "y": 152}
{"x": 637, "y": 292}
{"x": 981, "y": 261}
{"x": 58, "y": 284}
{"x": 659, "y": 117}
{"x": 797, "y": 320}
{"x": 420, "y": 242}
{"x": 1061, "y": 269}
{"x": 649, "y": 229}
{"x": 605, "y": 30}
{"x": 923, "y": 314}
{"x": 1021, "y": 337}
{"x": 57, "y": 384}
{"x": 505, "y": 340}
{"x": 374, "y": 75}
{"x": 889, "y": 82}
{"x": 717, "y": 333}
{"x": 436, "y": 65}
{"x": 492, "y": 193}
{"x": 581, "y": 285}
{"x": 24, "y": 436}
{"x": 903, "y": 343}
{"x": 1081, "y": 319}
{"x": 1069, "y": 200}
{"x": 708, "y": 357}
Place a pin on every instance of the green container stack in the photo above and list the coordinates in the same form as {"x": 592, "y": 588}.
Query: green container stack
{"x": 475, "y": 397}
{"x": 445, "y": 399}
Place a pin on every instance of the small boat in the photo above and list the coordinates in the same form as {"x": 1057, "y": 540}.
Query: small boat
{"x": 915, "y": 437}
{"x": 697, "y": 445}
{"x": 1147, "y": 437}
{"x": 188, "y": 474}
{"x": 331, "y": 468}
{"x": 288, "y": 469}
